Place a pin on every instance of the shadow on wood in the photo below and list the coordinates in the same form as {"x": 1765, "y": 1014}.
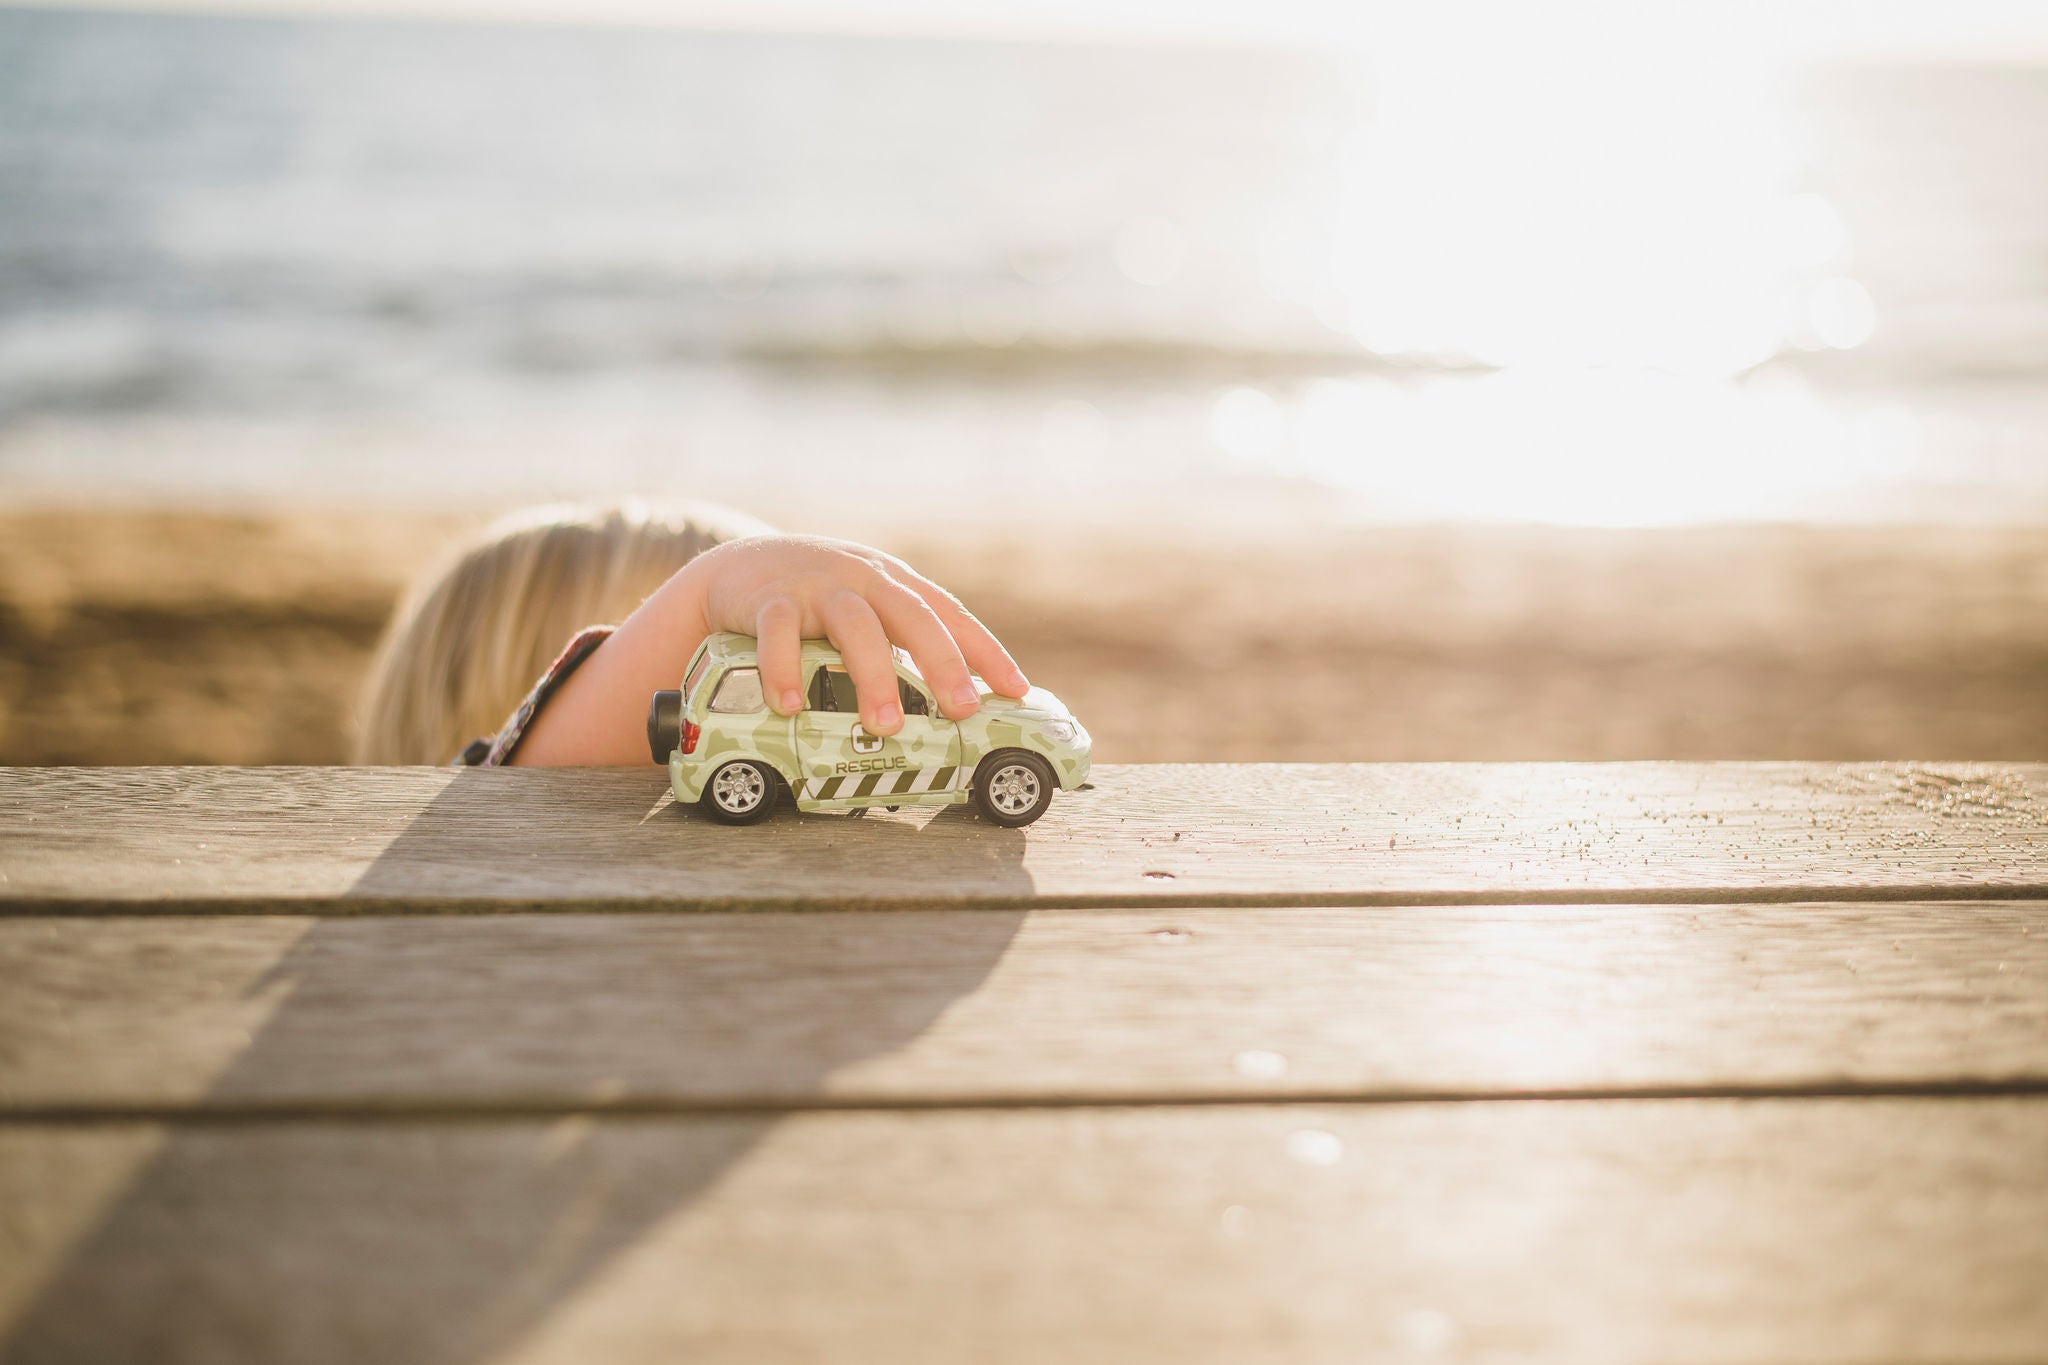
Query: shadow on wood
{"x": 507, "y": 1246}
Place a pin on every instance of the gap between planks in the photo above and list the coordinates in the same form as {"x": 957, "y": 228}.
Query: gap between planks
{"x": 382, "y": 1112}
{"x": 350, "y": 907}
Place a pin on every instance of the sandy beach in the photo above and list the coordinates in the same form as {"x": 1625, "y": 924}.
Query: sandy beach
{"x": 182, "y": 637}
{"x": 1196, "y": 279}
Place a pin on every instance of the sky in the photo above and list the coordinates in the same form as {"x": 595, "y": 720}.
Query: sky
{"x": 1950, "y": 29}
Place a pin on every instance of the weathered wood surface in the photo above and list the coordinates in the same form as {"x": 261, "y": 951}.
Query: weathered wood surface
{"x": 387, "y": 840}
{"x": 254, "y": 1107}
{"x": 267, "y": 1014}
{"x": 1735, "y": 1231}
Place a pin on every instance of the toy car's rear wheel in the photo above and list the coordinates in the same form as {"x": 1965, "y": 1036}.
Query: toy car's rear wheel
{"x": 741, "y": 792}
{"x": 1013, "y": 787}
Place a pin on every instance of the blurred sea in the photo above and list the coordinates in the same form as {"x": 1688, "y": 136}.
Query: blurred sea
{"x": 249, "y": 260}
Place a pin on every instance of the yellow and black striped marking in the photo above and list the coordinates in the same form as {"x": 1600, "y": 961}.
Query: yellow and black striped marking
{"x": 906, "y": 782}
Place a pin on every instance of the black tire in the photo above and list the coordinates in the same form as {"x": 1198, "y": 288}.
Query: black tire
{"x": 664, "y": 725}
{"x": 734, "y": 782}
{"x": 1013, "y": 787}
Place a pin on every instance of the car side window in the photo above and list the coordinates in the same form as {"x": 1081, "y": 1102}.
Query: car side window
{"x": 832, "y": 690}
{"x": 697, "y": 673}
{"x": 739, "y": 692}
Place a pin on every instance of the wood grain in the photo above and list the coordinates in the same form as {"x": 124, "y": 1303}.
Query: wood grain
{"x": 254, "y": 1105}
{"x": 1724, "y": 1231}
{"x": 274, "y": 1014}
{"x": 334, "y": 841}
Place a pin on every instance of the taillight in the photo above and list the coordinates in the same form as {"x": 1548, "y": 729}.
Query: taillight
{"x": 690, "y": 733}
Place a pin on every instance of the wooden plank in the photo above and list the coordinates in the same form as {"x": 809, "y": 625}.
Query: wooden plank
{"x": 263, "y": 1014}
{"x": 1726, "y": 1231}
{"x": 388, "y": 840}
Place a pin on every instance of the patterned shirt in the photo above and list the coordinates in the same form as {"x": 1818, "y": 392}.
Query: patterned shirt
{"x": 492, "y": 751}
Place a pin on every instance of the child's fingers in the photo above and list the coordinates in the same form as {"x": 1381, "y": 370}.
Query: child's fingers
{"x": 912, "y": 623}
{"x": 779, "y": 649}
{"x": 984, "y": 652}
{"x": 857, "y": 633}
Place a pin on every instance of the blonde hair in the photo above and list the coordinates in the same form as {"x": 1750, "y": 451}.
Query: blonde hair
{"x": 470, "y": 638}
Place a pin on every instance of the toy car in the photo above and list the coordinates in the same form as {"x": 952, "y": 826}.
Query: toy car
{"x": 727, "y": 751}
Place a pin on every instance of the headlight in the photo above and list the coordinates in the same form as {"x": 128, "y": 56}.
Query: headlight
{"x": 1061, "y": 731}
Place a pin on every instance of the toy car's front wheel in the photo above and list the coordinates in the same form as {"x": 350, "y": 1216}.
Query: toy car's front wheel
{"x": 1013, "y": 787}
{"x": 741, "y": 792}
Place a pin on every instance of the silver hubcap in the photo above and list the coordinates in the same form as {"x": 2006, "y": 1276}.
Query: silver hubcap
{"x": 1013, "y": 789}
{"x": 739, "y": 788}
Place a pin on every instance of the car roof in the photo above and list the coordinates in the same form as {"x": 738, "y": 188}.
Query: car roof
{"x": 732, "y": 649}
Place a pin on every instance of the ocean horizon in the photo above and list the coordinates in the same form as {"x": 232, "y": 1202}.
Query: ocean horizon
{"x": 248, "y": 260}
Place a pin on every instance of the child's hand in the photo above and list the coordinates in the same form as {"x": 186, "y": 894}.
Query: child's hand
{"x": 784, "y": 590}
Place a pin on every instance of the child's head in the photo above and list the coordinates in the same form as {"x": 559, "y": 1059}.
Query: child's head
{"x": 470, "y": 638}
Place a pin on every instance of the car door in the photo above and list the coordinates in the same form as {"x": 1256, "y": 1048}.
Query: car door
{"x": 928, "y": 740}
{"x": 841, "y": 760}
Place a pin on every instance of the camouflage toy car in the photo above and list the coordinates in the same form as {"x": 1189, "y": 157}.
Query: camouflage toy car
{"x": 726, "y": 750}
